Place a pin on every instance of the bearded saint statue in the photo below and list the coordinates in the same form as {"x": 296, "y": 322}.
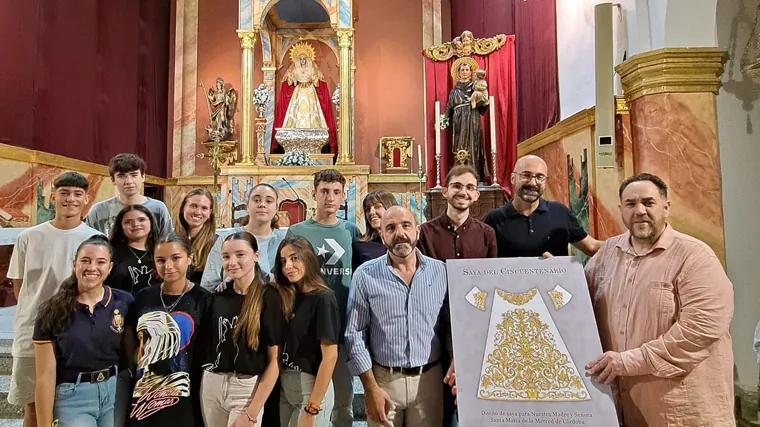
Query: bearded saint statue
{"x": 304, "y": 101}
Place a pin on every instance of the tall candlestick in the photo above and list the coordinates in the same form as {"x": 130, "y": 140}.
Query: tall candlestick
{"x": 419, "y": 156}
{"x": 492, "y": 111}
{"x": 437, "y": 127}
{"x": 380, "y": 157}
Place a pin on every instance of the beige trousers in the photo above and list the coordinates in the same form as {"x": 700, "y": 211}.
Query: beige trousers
{"x": 225, "y": 396}
{"x": 416, "y": 400}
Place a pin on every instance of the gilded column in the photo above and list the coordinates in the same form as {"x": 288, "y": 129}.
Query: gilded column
{"x": 247, "y": 41}
{"x": 671, "y": 94}
{"x": 345, "y": 41}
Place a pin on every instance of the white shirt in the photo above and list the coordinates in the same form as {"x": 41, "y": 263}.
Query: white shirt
{"x": 42, "y": 258}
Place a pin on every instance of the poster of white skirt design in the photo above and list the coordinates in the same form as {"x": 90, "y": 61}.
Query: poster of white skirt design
{"x": 523, "y": 331}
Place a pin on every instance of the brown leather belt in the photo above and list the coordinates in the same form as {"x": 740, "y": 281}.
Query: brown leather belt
{"x": 419, "y": 370}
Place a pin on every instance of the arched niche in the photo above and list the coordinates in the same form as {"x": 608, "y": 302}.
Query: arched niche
{"x": 689, "y": 25}
{"x": 330, "y": 6}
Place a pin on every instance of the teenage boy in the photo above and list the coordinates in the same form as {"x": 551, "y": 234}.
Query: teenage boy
{"x": 42, "y": 258}
{"x": 331, "y": 238}
{"x": 127, "y": 174}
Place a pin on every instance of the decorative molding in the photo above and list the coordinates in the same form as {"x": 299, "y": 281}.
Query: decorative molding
{"x": 578, "y": 121}
{"x": 454, "y": 48}
{"x": 25, "y": 155}
{"x": 244, "y": 170}
{"x": 247, "y": 38}
{"x": 672, "y": 70}
{"x": 191, "y": 181}
{"x": 400, "y": 178}
{"x": 621, "y": 105}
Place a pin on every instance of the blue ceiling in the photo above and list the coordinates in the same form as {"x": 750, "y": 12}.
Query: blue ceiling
{"x": 301, "y": 11}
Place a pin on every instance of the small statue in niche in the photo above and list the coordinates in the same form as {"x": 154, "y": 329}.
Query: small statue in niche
{"x": 222, "y": 105}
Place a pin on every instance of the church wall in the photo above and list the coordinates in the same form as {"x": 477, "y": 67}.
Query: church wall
{"x": 389, "y": 88}
{"x": 218, "y": 56}
{"x": 738, "y": 129}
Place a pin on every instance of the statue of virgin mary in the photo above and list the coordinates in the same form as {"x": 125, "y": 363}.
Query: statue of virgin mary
{"x": 304, "y": 101}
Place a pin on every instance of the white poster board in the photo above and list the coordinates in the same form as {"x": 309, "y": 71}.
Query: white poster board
{"x": 523, "y": 331}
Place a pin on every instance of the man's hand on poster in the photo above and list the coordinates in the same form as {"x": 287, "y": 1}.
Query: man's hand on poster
{"x": 451, "y": 380}
{"x": 605, "y": 368}
{"x": 546, "y": 255}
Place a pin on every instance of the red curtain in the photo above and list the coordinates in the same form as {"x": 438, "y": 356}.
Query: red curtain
{"x": 323, "y": 94}
{"x": 500, "y": 67}
{"x": 89, "y": 78}
{"x": 534, "y": 25}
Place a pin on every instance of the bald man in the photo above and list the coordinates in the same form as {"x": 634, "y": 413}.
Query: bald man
{"x": 530, "y": 226}
{"x": 393, "y": 322}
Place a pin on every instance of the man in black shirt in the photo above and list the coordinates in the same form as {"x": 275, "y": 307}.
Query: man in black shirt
{"x": 531, "y": 226}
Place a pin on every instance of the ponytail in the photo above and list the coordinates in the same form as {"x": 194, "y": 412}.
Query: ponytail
{"x": 54, "y": 314}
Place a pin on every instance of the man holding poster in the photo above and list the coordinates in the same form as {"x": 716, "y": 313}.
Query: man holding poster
{"x": 664, "y": 306}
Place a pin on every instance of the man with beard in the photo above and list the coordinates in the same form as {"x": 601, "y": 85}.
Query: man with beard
{"x": 393, "y": 323}
{"x": 663, "y": 306}
{"x": 456, "y": 235}
{"x": 530, "y": 226}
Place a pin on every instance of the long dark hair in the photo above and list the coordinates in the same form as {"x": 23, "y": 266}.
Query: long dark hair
{"x": 384, "y": 197}
{"x": 118, "y": 238}
{"x": 249, "y": 320}
{"x": 311, "y": 275}
{"x": 205, "y": 238}
{"x": 54, "y": 314}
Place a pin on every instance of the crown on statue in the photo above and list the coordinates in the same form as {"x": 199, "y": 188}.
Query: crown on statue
{"x": 302, "y": 48}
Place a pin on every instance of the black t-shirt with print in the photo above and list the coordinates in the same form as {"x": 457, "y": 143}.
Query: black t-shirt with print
{"x": 226, "y": 354}
{"x": 314, "y": 319}
{"x": 133, "y": 270}
{"x": 167, "y": 379}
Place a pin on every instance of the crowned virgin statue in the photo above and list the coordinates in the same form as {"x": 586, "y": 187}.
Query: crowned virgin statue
{"x": 304, "y": 101}
{"x": 467, "y": 102}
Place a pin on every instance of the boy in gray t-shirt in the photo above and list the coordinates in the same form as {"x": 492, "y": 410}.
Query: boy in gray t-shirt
{"x": 127, "y": 174}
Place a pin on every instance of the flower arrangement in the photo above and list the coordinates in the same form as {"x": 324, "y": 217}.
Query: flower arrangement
{"x": 261, "y": 95}
{"x": 296, "y": 158}
{"x": 443, "y": 121}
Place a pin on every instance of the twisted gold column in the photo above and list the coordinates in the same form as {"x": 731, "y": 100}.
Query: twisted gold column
{"x": 247, "y": 41}
{"x": 345, "y": 39}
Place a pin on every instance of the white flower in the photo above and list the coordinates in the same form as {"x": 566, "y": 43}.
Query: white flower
{"x": 296, "y": 158}
{"x": 261, "y": 95}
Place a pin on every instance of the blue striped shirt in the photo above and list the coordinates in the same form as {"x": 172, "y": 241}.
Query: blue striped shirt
{"x": 390, "y": 322}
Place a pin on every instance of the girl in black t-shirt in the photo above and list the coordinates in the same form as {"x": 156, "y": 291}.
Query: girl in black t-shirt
{"x": 198, "y": 222}
{"x": 78, "y": 339}
{"x": 133, "y": 236}
{"x": 243, "y": 327}
{"x": 165, "y": 319}
{"x": 311, "y": 337}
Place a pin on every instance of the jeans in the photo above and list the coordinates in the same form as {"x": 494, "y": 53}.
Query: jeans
{"x": 123, "y": 398}
{"x": 296, "y": 390}
{"x": 343, "y": 381}
{"x": 83, "y": 404}
{"x": 224, "y": 397}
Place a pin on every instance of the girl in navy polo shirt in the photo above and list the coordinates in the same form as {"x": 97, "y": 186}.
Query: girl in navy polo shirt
{"x": 77, "y": 343}
{"x": 165, "y": 319}
{"x": 243, "y": 328}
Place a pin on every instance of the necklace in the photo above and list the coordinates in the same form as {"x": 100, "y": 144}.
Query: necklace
{"x": 139, "y": 258}
{"x": 174, "y": 304}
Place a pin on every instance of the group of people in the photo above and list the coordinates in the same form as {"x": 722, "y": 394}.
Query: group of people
{"x": 124, "y": 319}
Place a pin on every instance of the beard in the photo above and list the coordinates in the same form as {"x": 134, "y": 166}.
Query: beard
{"x": 524, "y": 193}
{"x": 649, "y": 230}
{"x": 401, "y": 247}
{"x": 456, "y": 203}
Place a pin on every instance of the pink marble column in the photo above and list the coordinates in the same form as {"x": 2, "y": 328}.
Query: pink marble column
{"x": 671, "y": 94}
{"x": 185, "y": 88}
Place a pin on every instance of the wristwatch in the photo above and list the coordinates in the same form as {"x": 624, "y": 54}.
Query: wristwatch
{"x": 311, "y": 409}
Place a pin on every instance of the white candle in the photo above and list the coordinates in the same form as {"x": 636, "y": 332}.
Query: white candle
{"x": 437, "y": 128}
{"x": 492, "y": 110}
{"x": 419, "y": 155}
{"x": 380, "y": 157}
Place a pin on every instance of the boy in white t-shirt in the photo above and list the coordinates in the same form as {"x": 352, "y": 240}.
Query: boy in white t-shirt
{"x": 42, "y": 258}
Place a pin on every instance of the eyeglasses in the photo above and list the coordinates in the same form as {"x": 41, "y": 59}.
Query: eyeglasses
{"x": 133, "y": 222}
{"x": 527, "y": 176}
{"x": 459, "y": 187}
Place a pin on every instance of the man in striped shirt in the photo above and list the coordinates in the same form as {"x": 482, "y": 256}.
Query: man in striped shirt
{"x": 393, "y": 320}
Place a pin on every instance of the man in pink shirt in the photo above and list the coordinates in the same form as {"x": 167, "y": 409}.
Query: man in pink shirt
{"x": 663, "y": 305}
